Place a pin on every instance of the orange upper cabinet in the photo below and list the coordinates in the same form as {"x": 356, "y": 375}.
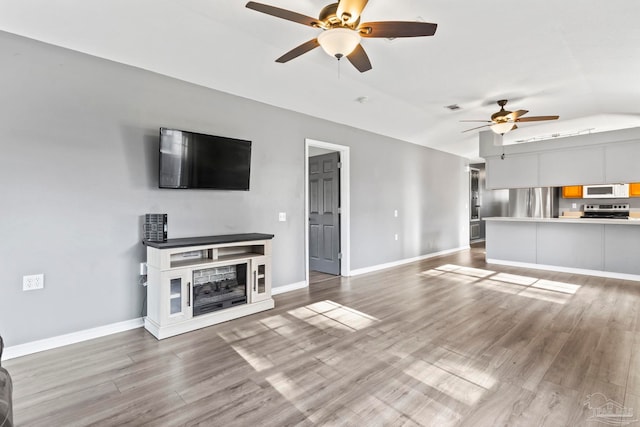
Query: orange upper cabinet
{"x": 634, "y": 189}
{"x": 573, "y": 192}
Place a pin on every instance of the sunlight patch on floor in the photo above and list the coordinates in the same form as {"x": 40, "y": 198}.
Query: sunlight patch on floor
{"x": 479, "y": 377}
{"x": 274, "y": 322}
{"x": 525, "y": 286}
{"x": 326, "y": 323}
{"x": 333, "y": 318}
{"x": 468, "y": 271}
{"x": 507, "y": 288}
{"x": 290, "y": 390}
{"x": 445, "y": 382}
{"x": 302, "y": 313}
{"x": 550, "y": 285}
{"x": 328, "y": 314}
{"x": 514, "y": 279}
{"x": 285, "y": 386}
{"x": 432, "y": 273}
{"x": 322, "y": 306}
{"x": 257, "y": 362}
{"x": 545, "y": 295}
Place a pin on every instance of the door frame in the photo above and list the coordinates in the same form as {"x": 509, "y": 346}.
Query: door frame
{"x": 345, "y": 205}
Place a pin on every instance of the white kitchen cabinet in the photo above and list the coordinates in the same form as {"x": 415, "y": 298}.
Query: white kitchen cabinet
{"x": 596, "y": 158}
{"x": 600, "y": 247}
{"x": 621, "y": 162}
{"x": 571, "y": 167}
{"x": 514, "y": 171}
{"x": 512, "y": 241}
{"x": 621, "y": 249}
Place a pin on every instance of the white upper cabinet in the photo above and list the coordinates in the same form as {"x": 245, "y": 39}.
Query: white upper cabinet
{"x": 576, "y": 166}
{"x": 517, "y": 171}
{"x": 622, "y": 162}
{"x": 599, "y": 158}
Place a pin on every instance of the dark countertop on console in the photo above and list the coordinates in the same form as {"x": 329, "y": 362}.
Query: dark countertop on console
{"x": 207, "y": 240}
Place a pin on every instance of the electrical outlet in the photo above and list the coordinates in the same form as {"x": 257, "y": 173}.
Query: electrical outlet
{"x": 33, "y": 282}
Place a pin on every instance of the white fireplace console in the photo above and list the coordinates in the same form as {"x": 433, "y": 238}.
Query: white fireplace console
{"x": 200, "y": 281}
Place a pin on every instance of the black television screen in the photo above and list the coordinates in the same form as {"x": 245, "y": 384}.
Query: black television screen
{"x": 195, "y": 160}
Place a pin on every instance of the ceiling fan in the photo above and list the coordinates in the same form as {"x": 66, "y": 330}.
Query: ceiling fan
{"x": 342, "y": 30}
{"x": 504, "y": 121}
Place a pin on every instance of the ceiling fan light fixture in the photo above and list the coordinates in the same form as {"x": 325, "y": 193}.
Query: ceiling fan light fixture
{"x": 502, "y": 128}
{"x": 339, "y": 42}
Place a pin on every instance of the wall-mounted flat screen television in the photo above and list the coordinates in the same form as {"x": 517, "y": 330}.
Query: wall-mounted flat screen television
{"x": 195, "y": 160}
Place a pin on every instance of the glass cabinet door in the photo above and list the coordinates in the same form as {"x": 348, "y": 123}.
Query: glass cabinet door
{"x": 177, "y": 296}
{"x": 260, "y": 279}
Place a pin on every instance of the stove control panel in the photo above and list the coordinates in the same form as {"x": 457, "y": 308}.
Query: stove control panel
{"x": 618, "y": 207}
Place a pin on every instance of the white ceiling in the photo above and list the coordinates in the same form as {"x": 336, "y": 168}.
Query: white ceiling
{"x": 574, "y": 58}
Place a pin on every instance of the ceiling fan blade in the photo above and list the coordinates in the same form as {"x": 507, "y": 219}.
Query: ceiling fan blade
{"x": 515, "y": 114}
{"x": 284, "y": 14}
{"x": 297, "y": 51}
{"x": 359, "y": 59}
{"x": 537, "y": 118}
{"x": 391, "y": 29}
{"x": 349, "y": 10}
{"x": 479, "y": 121}
{"x": 479, "y": 127}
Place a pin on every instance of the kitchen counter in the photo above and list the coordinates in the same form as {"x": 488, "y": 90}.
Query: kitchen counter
{"x": 568, "y": 220}
{"x": 598, "y": 247}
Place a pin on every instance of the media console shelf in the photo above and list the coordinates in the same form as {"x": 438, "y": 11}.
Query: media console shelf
{"x": 200, "y": 281}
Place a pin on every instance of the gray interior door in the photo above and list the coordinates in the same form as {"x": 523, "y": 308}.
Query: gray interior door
{"x": 324, "y": 219}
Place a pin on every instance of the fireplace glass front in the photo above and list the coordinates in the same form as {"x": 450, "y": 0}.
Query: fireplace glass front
{"x": 217, "y": 288}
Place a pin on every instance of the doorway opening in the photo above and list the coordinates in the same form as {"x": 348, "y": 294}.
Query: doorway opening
{"x": 474, "y": 204}
{"x": 327, "y": 210}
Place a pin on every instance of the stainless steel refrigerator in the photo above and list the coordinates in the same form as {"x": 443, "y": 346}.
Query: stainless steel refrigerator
{"x": 539, "y": 202}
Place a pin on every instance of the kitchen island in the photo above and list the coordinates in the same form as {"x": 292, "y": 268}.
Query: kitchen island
{"x": 598, "y": 247}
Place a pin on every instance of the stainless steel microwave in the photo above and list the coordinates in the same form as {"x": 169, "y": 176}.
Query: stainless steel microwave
{"x": 605, "y": 191}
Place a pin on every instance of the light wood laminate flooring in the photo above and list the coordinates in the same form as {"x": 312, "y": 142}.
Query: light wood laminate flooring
{"x": 449, "y": 341}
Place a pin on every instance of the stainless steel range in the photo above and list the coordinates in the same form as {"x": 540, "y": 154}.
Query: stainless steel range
{"x": 614, "y": 211}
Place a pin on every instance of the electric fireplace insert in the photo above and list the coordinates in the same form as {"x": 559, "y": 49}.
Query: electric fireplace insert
{"x": 217, "y": 288}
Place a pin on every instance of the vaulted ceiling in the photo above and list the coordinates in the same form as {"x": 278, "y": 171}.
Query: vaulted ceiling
{"x": 573, "y": 58}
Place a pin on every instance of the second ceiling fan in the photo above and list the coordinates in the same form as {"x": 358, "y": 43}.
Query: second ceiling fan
{"x": 504, "y": 121}
{"x": 342, "y": 30}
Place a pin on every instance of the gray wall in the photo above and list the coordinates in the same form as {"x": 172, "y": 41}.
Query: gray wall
{"x": 78, "y": 168}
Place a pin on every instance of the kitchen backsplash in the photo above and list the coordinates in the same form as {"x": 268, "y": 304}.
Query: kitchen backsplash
{"x": 567, "y": 204}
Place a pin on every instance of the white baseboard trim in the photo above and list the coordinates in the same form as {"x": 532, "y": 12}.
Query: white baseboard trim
{"x": 288, "y": 288}
{"x": 72, "y": 338}
{"x": 597, "y": 273}
{"x": 101, "y": 331}
{"x": 373, "y": 268}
